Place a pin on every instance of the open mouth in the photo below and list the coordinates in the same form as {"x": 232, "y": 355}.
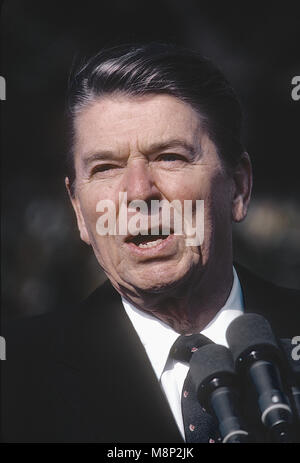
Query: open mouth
{"x": 146, "y": 241}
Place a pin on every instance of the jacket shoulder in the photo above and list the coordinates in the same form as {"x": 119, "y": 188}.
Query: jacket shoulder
{"x": 279, "y": 305}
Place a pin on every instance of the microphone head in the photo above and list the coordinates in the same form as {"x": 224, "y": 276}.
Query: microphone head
{"x": 249, "y": 332}
{"x": 209, "y": 362}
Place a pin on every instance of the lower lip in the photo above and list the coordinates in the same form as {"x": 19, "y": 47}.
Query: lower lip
{"x": 153, "y": 250}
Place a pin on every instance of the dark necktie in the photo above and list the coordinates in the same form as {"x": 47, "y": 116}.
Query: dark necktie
{"x": 199, "y": 426}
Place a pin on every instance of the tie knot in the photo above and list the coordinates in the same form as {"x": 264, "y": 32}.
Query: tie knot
{"x": 184, "y": 346}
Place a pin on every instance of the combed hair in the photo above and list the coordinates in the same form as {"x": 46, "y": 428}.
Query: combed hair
{"x": 155, "y": 68}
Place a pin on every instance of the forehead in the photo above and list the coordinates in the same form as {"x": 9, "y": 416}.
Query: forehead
{"x": 119, "y": 122}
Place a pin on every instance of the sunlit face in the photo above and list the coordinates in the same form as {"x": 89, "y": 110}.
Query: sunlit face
{"x": 151, "y": 147}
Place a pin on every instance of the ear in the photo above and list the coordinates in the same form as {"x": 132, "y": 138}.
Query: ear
{"x": 242, "y": 187}
{"x": 79, "y": 216}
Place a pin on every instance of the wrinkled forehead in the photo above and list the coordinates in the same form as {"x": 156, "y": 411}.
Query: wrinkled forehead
{"x": 123, "y": 123}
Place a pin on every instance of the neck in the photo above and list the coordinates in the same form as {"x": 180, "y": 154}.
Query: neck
{"x": 191, "y": 305}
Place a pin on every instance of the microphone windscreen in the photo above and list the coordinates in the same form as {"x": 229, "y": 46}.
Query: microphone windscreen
{"x": 210, "y": 361}
{"x": 250, "y": 331}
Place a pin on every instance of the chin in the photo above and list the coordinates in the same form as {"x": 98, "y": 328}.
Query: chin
{"x": 159, "y": 281}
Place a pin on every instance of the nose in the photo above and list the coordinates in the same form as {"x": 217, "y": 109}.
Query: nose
{"x": 139, "y": 182}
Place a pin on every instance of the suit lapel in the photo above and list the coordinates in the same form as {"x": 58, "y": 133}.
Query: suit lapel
{"x": 118, "y": 395}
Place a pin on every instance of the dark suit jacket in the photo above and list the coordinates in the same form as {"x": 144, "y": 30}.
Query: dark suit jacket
{"x": 83, "y": 375}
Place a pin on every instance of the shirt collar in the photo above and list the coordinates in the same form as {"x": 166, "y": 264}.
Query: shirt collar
{"x": 157, "y": 337}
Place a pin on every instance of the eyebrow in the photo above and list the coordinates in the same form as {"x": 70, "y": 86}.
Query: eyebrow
{"x": 153, "y": 148}
{"x": 175, "y": 143}
{"x": 98, "y": 156}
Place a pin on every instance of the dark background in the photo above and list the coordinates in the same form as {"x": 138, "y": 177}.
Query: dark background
{"x": 44, "y": 264}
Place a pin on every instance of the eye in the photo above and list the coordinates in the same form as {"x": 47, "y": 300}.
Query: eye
{"x": 170, "y": 157}
{"x": 103, "y": 168}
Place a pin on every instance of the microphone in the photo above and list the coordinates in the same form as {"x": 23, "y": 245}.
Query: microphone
{"x": 214, "y": 376}
{"x": 258, "y": 359}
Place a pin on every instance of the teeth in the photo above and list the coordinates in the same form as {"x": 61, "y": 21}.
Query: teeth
{"x": 150, "y": 244}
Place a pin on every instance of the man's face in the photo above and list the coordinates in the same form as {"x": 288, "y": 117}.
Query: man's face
{"x": 151, "y": 147}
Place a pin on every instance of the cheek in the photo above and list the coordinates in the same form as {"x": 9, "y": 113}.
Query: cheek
{"x": 107, "y": 251}
{"x": 194, "y": 182}
{"x": 88, "y": 207}
{"x": 90, "y": 195}
{"x": 179, "y": 185}
{"x": 218, "y": 215}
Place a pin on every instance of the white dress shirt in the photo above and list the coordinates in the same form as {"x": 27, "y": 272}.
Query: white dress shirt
{"x": 157, "y": 338}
